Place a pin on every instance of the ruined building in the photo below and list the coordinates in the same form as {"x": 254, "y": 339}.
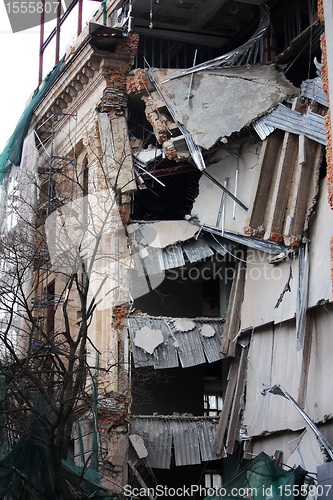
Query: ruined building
{"x": 191, "y": 140}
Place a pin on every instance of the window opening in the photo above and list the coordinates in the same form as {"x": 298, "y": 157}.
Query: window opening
{"x": 212, "y": 405}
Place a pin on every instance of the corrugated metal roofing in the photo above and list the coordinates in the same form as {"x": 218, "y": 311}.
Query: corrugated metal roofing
{"x": 197, "y": 249}
{"x": 264, "y": 246}
{"x": 190, "y": 348}
{"x": 155, "y": 260}
{"x": 192, "y": 439}
{"x": 262, "y": 129}
{"x": 313, "y": 89}
{"x": 310, "y": 124}
{"x": 173, "y": 256}
{"x": 220, "y": 245}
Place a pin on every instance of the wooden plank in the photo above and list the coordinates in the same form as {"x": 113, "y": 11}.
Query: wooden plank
{"x": 267, "y": 162}
{"x": 232, "y": 321}
{"x": 139, "y": 478}
{"x": 310, "y": 318}
{"x": 236, "y": 407}
{"x": 233, "y": 371}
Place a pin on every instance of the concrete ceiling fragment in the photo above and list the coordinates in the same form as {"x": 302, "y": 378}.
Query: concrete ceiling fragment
{"x": 148, "y": 339}
{"x": 163, "y": 233}
{"x": 223, "y": 101}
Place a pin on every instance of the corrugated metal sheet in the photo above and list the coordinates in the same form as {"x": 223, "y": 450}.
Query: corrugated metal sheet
{"x": 191, "y": 349}
{"x": 310, "y": 124}
{"x": 264, "y": 246}
{"x": 313, "y": 89}
{"x": 197, "y": 249}
{"x": 262, "y": 129}
{"x": 165, "y": 355}
{"x": 207, "y": 432}
{"x": 154, "y": 262}
{"x": 211, "y": 344}
{"x": 192, "y": 439}
{"x": 173, "y": 256}
{"x": 220, "y": 245}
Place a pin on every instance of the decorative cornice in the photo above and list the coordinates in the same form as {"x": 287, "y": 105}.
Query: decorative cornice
{"x": 84, "y": 70}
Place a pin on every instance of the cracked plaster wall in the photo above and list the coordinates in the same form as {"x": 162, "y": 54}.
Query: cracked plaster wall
{"x": 280, "y": 363}
{"x": 265, "y": 282}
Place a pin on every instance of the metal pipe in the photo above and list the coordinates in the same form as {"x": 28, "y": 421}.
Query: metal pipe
{"x": 58, "y": 33}
{"x": 62, "y": 20}
{"x": 225, "y": 189}
{"x": 79, "y": 20}
{"x": 280, "y": 391}
{"x": 41, "y": 41}
{"x": 192, "y": 75}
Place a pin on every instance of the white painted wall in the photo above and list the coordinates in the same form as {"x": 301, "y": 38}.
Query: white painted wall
{"x": 319, "y": 394}
{"x": 207, "y": 204}
{"x": 273, "y": 359}
{"x": 320, "y": 233}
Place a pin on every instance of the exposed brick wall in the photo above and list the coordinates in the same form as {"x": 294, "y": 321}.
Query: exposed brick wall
{"x": 137, "y": 81}
{"x": 119, "y": 314}
{"x": 328, "y": 123}
{"x": 116, "y": 69}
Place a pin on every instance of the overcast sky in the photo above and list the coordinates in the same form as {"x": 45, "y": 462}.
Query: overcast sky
{"x": 19, "y": 60}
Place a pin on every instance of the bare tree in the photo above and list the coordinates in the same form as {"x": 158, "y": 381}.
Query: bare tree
{"x": 59, "y": 264}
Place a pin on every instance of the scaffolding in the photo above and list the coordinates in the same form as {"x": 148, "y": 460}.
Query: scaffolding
{"x": 52, "y": 199}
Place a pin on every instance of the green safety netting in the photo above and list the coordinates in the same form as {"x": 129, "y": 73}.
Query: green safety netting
{"x": 12, "y": 152}
{"x": 263, "y": 479}
{"x": 26, "y": 471}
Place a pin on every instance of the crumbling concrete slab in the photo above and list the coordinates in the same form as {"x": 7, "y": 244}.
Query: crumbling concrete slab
{"x": 148, "y": 339}
{"x": 184, "y": 325}
{"x": 207, "y": 331}
{"x": 222, "y": 100}
{"x": 138, "y": 445}
{"x": 164, "y": 233}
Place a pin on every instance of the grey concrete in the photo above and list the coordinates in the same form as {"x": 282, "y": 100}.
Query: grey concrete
{"x": 207, "y": 331}
{"x": 163, "y": 233}
{"x": 148, "y": 339}
{"x": 223, "y": 101}
{"x": 138, "y": 445}
{"x": 184, "y": 325}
